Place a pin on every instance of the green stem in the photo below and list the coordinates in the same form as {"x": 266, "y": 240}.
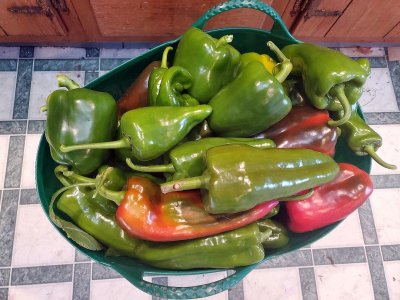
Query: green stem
{"x": 65, "y": 81}
{"x": 118, "y": 144}
{"x": 226, "y": 39}
{"x": 338, "y": 92}
{"x": 59, "y": 171}
{"x": 114, "y": 196}
{"x": 191, "y": 183}
{"x": 169, "y": 168}
{"x": 43, "y": 108}
{"x": 264, "y": 235}
{"x": 371, "y": 152}
{"x": 286, "y": 65}
{"x": 164, "y": 60}
{"x": 299, "y": 197}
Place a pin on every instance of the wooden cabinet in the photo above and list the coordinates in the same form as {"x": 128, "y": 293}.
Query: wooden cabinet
{"x": 61, "y": 22}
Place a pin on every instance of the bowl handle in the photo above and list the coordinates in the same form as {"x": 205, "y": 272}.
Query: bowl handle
{"x": 192, "y": 292}
{"x": 279, "y": 28}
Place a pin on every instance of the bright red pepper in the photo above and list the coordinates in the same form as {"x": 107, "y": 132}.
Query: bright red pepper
{"x": 330, "y": 202}
{"x": 304, "y": 127}
{"x": 147, "y": 214}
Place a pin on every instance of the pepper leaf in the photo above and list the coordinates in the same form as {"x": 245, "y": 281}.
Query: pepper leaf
{"x": 79, "y": 236}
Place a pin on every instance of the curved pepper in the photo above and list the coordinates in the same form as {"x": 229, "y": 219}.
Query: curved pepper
{"x": 331, "y": 202}
{"x": 239, "y": 176}
{"x": 148, "y": 214}
{"x": 149, "y": 132}
{"x": 188, "y": 159}
{"x": 329, "y": 77}
{"x": 212, "y": 63}
{"x": 252, "y": 102}
{"x": 137, "y": 93}
{"x": 166, "y": 85}
{"x": 279, "y": 235}
{"x": 77, "y": 116}
{"x": 304, "y": 127}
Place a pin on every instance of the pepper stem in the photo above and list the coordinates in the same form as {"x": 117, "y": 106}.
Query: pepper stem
{"x": 114, "y": 196}
{"x": 338, "y": 92}
{"x": 264, "y": 235}
{"x": 169, "y": 168}
{"x": 371, "y": 152}
{"x": 59, "y": 171}
{"x": 118, "y": 144}
{"x": 286, "y": 65}
{"x": 191, "y": 183}
{"x": 43, "y": 108}
{"x": 164, "y": 60}
{"x": 226, "y": 39}
{"x": 65, "y": 81}
{"x": 299, "y": 197}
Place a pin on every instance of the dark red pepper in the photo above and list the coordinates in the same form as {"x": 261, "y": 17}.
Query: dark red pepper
{"x": 304, "y": 127}
{"x": 330, "y": 202}
{"x": 148, "y": 214}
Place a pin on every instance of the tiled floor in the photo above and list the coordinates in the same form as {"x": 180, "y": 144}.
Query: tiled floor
{"x": 360, "y": 259}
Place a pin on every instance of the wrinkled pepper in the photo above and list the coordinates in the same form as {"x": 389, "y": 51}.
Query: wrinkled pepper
{"x": 149, "y": 132}
{"x": 279, "y": 235}
{"x": 238, "y": 177}
{"x": 188, "y": 159}
{"x": 361, "y": 138}
{"x": 252, "y": 102}
{"x": 167, "y": 85}
{"x": 331, "y": 80}
{"x": 137, "y": 93}
{"x": 331, "y": 202}
{"x": 304, "y": 127}
{"x": 212, "y": 63}
{"x": 76, "y": 116}
{"x": 148, "y": 214}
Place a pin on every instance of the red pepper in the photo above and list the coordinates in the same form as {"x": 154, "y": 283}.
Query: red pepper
{"x": 304, "y": 127}
{"x": 148, "y": 214}
{"x": 330, "y": 202}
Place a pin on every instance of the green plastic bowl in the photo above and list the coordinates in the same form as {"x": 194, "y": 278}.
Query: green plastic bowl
{"x": 116, "y": 82}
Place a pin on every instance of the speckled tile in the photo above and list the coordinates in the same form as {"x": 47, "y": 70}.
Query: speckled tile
{"x": 382, "y": 118}
{"x": 29, "y": 196}
{"x": 8, "y": 65}
{"x": 29, "y": 160}
{"x": 101, "y": 272}
{"x": 110, "y": 63}
{"x": 7, "y": 79}
{"x": 375, "y": 264}
{"x": 60, "y": 291}
{"x": 36, "y": 126}
{"x": 81, "y": 257}
{"x": 116, "y": 289}
{"x": 92, "y": 52}
{"x": 386, "y": 181}
{"x": 297, "y": 258}
{"x": 12, "y": 127}
{"x": 14, "y": 162}
{"x": 394, "y": 69}
{"x": 23, "y": 87}
{"x": 159, "y": 281}
{"x": 390, "y": 252}
{"x": 4, "y": 141}
{"x": 392, "y": 271}
{"x": 121, "y": 53}
{"x": 367, "y": 224}
{"x": 41, "y": 274}
{"x": 59, "y": 53}
{"x": 8, "y": 212}
{"x": 81, "y": 285}
{"x": 26, "y": 52}
{"x": 66, "y": 65}
{"x": 90, "y": 76}
{"x": 4, "y": 276}
{"x": 335, "y": 256}
{"x": 308, "y": 285}
{"x": 9, "y": 52}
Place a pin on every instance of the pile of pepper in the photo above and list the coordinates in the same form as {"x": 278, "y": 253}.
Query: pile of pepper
{"x": 196, "y": 162}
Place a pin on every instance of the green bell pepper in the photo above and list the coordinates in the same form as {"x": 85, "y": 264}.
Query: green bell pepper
{"x": 188, "y": 159}
{"x": 212, "y": 63}
{"x": 149, "y": 132}
{"x": 331, "y": 80}
{"x": 238, "y": 177}
{"x": 77, "y": 116}
{"x": 252, "y": 102}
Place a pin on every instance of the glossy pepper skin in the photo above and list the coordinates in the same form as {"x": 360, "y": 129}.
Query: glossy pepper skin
{"x": 268, "y": 62}
{"x": 238, "y": 177}
{"x": 188, "y": 159}
{"x": 331, "y": 202}
{"x": 212, "y": 63}
{"x": 331, "y": 80}
{"x": 252, "y": 102}
{"x": 361, "y": 138}
{"x": 167, "y": 86}
{"x": 304, "y": 127}
{"x": 149, "y": 132}
{"x": 76, "y": 116}
{"x": 148, "y": 214}
{"x": 137, "y": 94}
{"x": 279, "y": 234}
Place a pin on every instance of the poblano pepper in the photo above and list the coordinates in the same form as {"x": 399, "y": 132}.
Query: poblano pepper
{"x": 239, "y": 176}
{"x": 212, "y": 62}
{"x": 331, "y": 80}
{"x": 252, "y": 102}
{"x": 77, "y": 116}
{"x": 149, "y": 132}
{"x": 167, "y": 85}
{"x": 188, "y": 159}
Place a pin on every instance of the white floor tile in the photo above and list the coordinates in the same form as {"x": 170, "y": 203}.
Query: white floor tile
{"x": 363, "y": 52}
{"x": 7, "y": 94}
{"x": 116, "y": 289}
{"x": 350, "y": 282}
{"x": 55, "y": 291}
{"x": 386, "y": 210}
{"x": 4, "y": 142}
{"x": 43, "y": 83}
{"x": 59, "y": 52}
{"x": 121, "y": 53}
{"x": 273, "y": 284}
{"x": 9, "y": 52}
{"x": 378, "y": 93}
{"x": 390, "y": 149}
{"x": 28, "y": 166}
{"x": 346, "y": 234}
{"x": 37, "y": 242}
{"x": 392, "y": 272}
